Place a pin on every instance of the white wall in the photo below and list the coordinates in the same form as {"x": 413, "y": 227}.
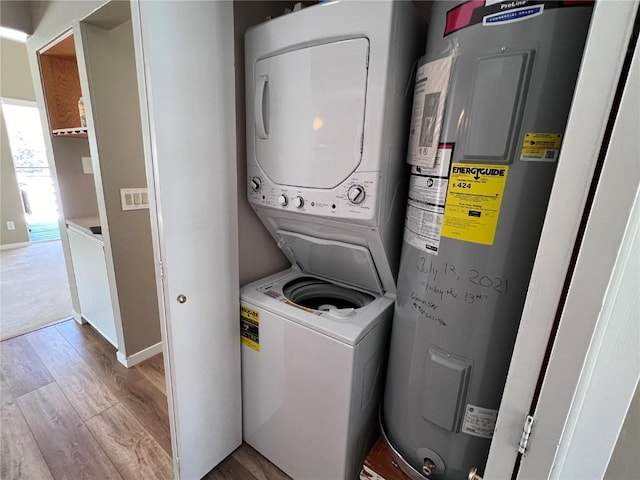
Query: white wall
{"x": 113, "y": 110}
{"x": 624, "y": 461}
{"x": 259, "y": 255}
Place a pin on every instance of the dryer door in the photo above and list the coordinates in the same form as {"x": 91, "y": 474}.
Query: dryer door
{"x": 309, "y": 113}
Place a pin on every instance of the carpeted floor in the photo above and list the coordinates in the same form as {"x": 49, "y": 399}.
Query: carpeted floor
{"x": 34, "y": 290}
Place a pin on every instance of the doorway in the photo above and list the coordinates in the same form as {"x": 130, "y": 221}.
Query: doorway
{"x": 24, "y": 129}
{"x": 34, "y": 283}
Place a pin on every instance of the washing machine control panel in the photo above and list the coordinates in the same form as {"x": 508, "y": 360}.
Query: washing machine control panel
{"x": 353, "y": 199}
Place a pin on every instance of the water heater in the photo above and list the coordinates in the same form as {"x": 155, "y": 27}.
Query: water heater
{"x": 492, "y": 98}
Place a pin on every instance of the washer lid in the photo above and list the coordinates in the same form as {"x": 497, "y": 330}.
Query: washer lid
{"x": 333, "y": 260}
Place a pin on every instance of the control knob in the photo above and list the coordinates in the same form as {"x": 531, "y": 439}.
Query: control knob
{"x": 283, "y": 200}
{"x": 298, "y": 202}
{"x": 256, "y": 184}
{"x": 356, "y": 194}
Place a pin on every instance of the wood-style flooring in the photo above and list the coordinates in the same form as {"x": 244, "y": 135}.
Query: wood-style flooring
{"x": 71, "y": 411}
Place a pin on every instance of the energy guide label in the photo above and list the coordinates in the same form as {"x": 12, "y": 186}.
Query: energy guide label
{"x": 427, "y": 197}
{"x": 250, "y": 327}
{"x": 473, "y": 202}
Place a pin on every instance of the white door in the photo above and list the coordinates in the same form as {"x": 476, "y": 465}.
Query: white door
{"x": 185, "y": 63}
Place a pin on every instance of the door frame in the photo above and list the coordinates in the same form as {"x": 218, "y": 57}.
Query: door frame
{"x": 609, "y": 34}
{"x": 24, "y": 103}
{"x": 594, "y": 365}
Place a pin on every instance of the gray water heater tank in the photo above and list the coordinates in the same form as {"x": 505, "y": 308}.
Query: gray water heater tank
{"x": 473, "y": 223}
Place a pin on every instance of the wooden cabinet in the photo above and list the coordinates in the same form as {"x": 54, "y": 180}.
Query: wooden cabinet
{"x": 61, "y": 84}
{"x": 90, "y": 269}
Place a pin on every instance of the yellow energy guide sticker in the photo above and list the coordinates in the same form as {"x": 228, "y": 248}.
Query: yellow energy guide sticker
{"x": 541, "y": 147}
{"x": 250, "y": 327}
{"x": 473, "y": 202}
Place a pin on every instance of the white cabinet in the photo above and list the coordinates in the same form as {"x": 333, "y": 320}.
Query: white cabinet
{"x": 90, "y": 269}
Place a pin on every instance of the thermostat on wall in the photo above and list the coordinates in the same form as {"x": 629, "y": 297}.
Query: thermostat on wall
{"x": 134, "y": 198}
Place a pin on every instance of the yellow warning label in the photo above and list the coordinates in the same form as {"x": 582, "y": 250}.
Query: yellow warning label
{"x": 541, "y": 147}
{"x": 473, "y": 202}
{"x": 250, "y": 327}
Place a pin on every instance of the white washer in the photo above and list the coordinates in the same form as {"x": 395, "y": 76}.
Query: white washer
{"x": 312, "y": 379}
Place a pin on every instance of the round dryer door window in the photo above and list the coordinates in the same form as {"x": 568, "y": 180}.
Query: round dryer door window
{"x": 320, "y": 295}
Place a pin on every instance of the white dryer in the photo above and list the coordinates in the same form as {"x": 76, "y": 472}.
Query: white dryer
{"x": 328, "y": 103}
{"x": 328, "y": 100}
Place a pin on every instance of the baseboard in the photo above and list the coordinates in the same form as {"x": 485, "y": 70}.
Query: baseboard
{"x": 10, "y": 246}
{"x": 140, "y": 356}
{"x": 78, "y": 317}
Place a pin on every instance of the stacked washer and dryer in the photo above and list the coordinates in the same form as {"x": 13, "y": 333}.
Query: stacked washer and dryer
{"x": 328, "y": 97}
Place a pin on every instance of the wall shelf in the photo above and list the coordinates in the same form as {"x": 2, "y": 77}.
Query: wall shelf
{"x": 61, "y": 84}
{"x": 78, "y": 132}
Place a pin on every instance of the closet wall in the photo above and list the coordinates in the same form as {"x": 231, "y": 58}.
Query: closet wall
{"x": 259, "y": 254}
{"x": 114, "y": 109}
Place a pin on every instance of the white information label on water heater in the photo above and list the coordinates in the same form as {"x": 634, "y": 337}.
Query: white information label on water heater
{"x": 430, "y": 94}
{"x": 427, "y": 197}
{"x": 479, "y": 422}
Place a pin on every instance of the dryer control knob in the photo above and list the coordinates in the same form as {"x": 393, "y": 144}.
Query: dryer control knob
{"x": 298, "y": 202}
{"x": 356, "y": 194}
{"x": 256, "y": 184}
{"x": 283, "y": 200}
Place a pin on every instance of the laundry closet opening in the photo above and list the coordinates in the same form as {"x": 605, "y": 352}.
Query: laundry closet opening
{"x": 324, "y": 99}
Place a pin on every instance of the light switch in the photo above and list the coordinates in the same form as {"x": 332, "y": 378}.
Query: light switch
{"x": 134, "y": 198}
{"x": 87, "y": 166}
